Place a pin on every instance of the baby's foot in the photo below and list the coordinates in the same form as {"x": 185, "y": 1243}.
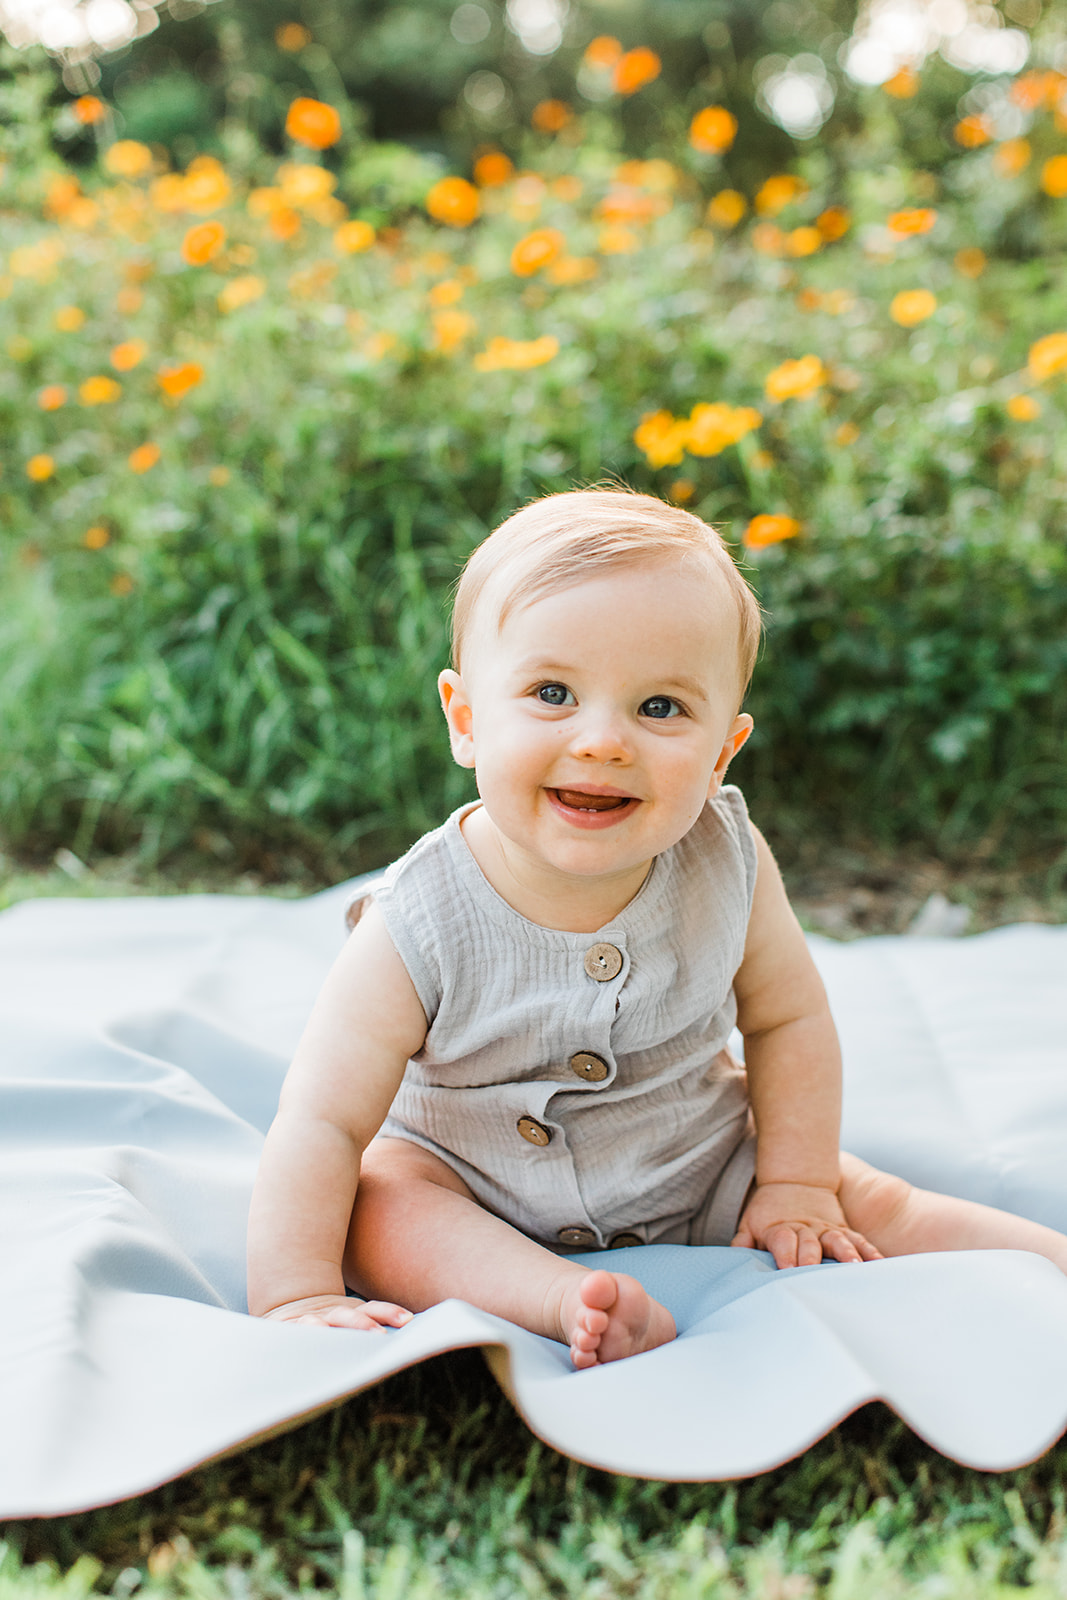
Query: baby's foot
{"x": 609, "y": 1315}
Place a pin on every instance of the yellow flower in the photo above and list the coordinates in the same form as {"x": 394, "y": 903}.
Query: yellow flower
{"x": 778, "y": 192}
{"x": 567, "y": 188}
{"x": 572, "y": 269}
{"x": 833, "y": 223}
{"x": 302, "y": 183}
{"x": 40, "y": 468}
{"x": 713, "y": 130}
{"x": 178, "y": 380}
{"x": 99, "y": 391}
{"x": 796, "y": 380}
{"x": 662, "y": 438}
{"x": 167, "y": 193}
{"x": 1023, "y": 407}
{"x": 312, "y": 280}
{"x": 769, "y": 529}
{"x": 453, "y": 201}
{"x": 918, "y": 219}
{"x": 1054, "y": 177}
{"x": 121, "y": 584}
{"x": 219, "y": 477}
{"x": 682, "y": 491}
{"x": 712, "y": 428}
{"x": 903, "y": 85}
{"x": 68, "y": 319}
{"x": 617, "y": 241}
{"x": 768, "y": 239}
{"x": 202, "y": 242}
{"x": 37, "y": 261}
{"x": 602, "y": 53}
{"x": 379, "y": 345}
{"x": 96, "y": 537}
{"x": 144, "y": 458}
{"x": 128, "y": 158}
{"x": 970, "y": 261}
{"x": 446, "y": 293}
{"x": 241, "y": 292}
{"x": 912, "y": 306}
{"x": 313, "y": 123}
{"x": 52, "y": 396}
{"x": 492, "y": 169}
{"x": 846, "y": 434}
{"x": 205, "y": 186}
{"x": 291, "y": 37}
{"x": 124, "y": 357}
{"x": 803, "y": 242}
{"x": 726, "y": 208}
{"x": 972, "y": 131}
{"x": 1013, "y": 157}
{"x": 1048, "y": 356}
{"x": 536, "y": 250}
{"x": 516, "y": 355}
{"x": 450, "y": 329}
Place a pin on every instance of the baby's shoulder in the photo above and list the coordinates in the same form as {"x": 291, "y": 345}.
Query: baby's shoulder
{"x": 721, "y": 841}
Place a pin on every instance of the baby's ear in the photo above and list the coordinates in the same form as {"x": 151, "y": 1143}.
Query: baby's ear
{"x": 459, "y": 716}
{"x": 738, "y": 732}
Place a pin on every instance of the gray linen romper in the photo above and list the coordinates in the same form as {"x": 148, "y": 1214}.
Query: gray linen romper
{"x": 578, "y": 1083}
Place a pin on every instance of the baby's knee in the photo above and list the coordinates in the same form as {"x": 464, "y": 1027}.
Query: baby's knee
{"x": 871, "y": 1199}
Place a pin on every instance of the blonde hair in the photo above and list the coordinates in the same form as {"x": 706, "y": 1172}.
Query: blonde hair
{"x": 556, "y": 542}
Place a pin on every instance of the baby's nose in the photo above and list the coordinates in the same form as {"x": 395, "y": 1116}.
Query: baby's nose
{"x": 601, "y": 738}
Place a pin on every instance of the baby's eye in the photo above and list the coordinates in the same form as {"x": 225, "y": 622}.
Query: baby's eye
{"x": 660, "y": 707}
{"x": 555, "y": 694}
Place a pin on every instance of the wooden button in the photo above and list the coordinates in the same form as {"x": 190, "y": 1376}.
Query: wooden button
{"x": 603, "y": 962}
{"x": 579, "y": 1237}
{"x": 623, "y": 1241}
{"x": 532, "y": 1131}
{"x": 588, "y": 1066}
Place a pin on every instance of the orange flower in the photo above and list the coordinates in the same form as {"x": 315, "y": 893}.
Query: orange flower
{"x": 314, "y": 123}
{"x": 768, "y": 239}
{"x": 127, "y": 158}
{"x": 205, "y": 186}
{"x": 912, "y": 306}
{"x": 303, "y": 183}
{"x": 630, "y": 205}
{"x": 284, "y": 222}
{"x": 838, "y": 301}
{"x": 803, "y": 241}
{"x": 144, "y": 458}
{"x": 919, "y": 219}
{"x": 617, "y": 241}
{"x": 713, "y": 130}
{"x": 1048, "y": 356}
{"x": 167, "y": 193}
{"x": 241, "y": 292}
{"x": 129, "y": 299}
{"x": 492, "y": 169}
{"x": 453, "y": 201}
{"x": 903, "y": 85}
{"x": 536, "y": 250}
{"x": 1013, "y": 157}
{"x": 833, "y": 223}
{"x": 1037, "y": 89}
{"x": 796, "y": 380}
{"x": 178, "y": 380}
{"x": 712, "y": 428}
{"x": 450, "y": 329}
{"x": 769, "y": 529}
{"x": 846, "y": 434}
{"x": 40, "y": 468}
{"x": 517, "y": 355}
{"x": 291, "y": 37}
{"x": 726, "y": 208}
{"x": 602, "y": 53}
{"x": 682, "y": 491}
{"x": 778, "y": 192}
{"x": 68, "y": 319}
{"x": 635, "y": 69}
{"x": 446, "y": 293}
{"x": 572, "y": 269}
{"x": 662, "y": 438}
{"x": 52, "y": 396}
{"x": 352, "y": 237}
{"x": 202, "y": 242}
{"x": 126, "y": 356}
{"x": 99, "y": 391}
{"x": 121, "y": 584}
{"x": 96, "y": 537}
{"x": 567, "y": 188}
{"x": 1054, "y": 177}
{"x": 972, "y": 131}
{"x": 549, "y": 116}
{"x": 89, "y": 109}
{"x": 1023, "y": 407}
{"x": 970, "y": 261}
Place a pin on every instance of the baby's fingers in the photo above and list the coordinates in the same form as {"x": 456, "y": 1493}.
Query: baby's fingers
{"x": 385, "y": 1314}
{"x": 844, "y": 1244}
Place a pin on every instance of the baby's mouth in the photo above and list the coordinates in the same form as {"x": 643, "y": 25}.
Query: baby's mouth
{"x": 579, "y": 800}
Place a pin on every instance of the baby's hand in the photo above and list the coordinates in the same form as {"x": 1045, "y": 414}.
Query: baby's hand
{"x": 800, "y": 1225}
{"x": 341, "y": 1311}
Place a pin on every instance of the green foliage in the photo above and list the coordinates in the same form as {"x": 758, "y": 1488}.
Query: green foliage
{"x": 240, "y": 638}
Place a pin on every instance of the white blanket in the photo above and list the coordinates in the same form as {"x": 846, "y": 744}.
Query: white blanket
{"x": 142, "y": 1046}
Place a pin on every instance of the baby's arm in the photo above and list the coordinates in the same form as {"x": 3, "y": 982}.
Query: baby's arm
{"x": 794, "y": 1074}
{"x": 366, "y": 1023}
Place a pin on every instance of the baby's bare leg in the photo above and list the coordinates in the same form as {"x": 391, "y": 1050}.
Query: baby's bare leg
{"x": 417, "y": 1227}
{"x": 902, "y": 1220}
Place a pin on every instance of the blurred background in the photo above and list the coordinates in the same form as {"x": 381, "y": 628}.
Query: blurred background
{"x": 298, "y": 298}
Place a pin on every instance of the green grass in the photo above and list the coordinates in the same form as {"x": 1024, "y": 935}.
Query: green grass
{"x": 428, "y": 1486}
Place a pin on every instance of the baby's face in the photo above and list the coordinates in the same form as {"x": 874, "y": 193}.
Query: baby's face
{"x": 600, "y": 719}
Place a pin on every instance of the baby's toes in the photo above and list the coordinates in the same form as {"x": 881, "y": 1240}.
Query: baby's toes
{"x": 591, "y": 1320}
{"x": 582, "y": 1340}
{"x": 582, "y": 1359}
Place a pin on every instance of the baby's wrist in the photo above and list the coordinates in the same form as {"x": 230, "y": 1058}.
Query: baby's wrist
{"x": 809, "y": 1181}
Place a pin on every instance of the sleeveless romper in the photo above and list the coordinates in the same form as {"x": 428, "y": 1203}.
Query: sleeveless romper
{"x": 578, "y": 1083}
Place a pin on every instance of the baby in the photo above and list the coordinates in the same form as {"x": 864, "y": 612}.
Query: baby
{"x": 522, "y": 1051}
